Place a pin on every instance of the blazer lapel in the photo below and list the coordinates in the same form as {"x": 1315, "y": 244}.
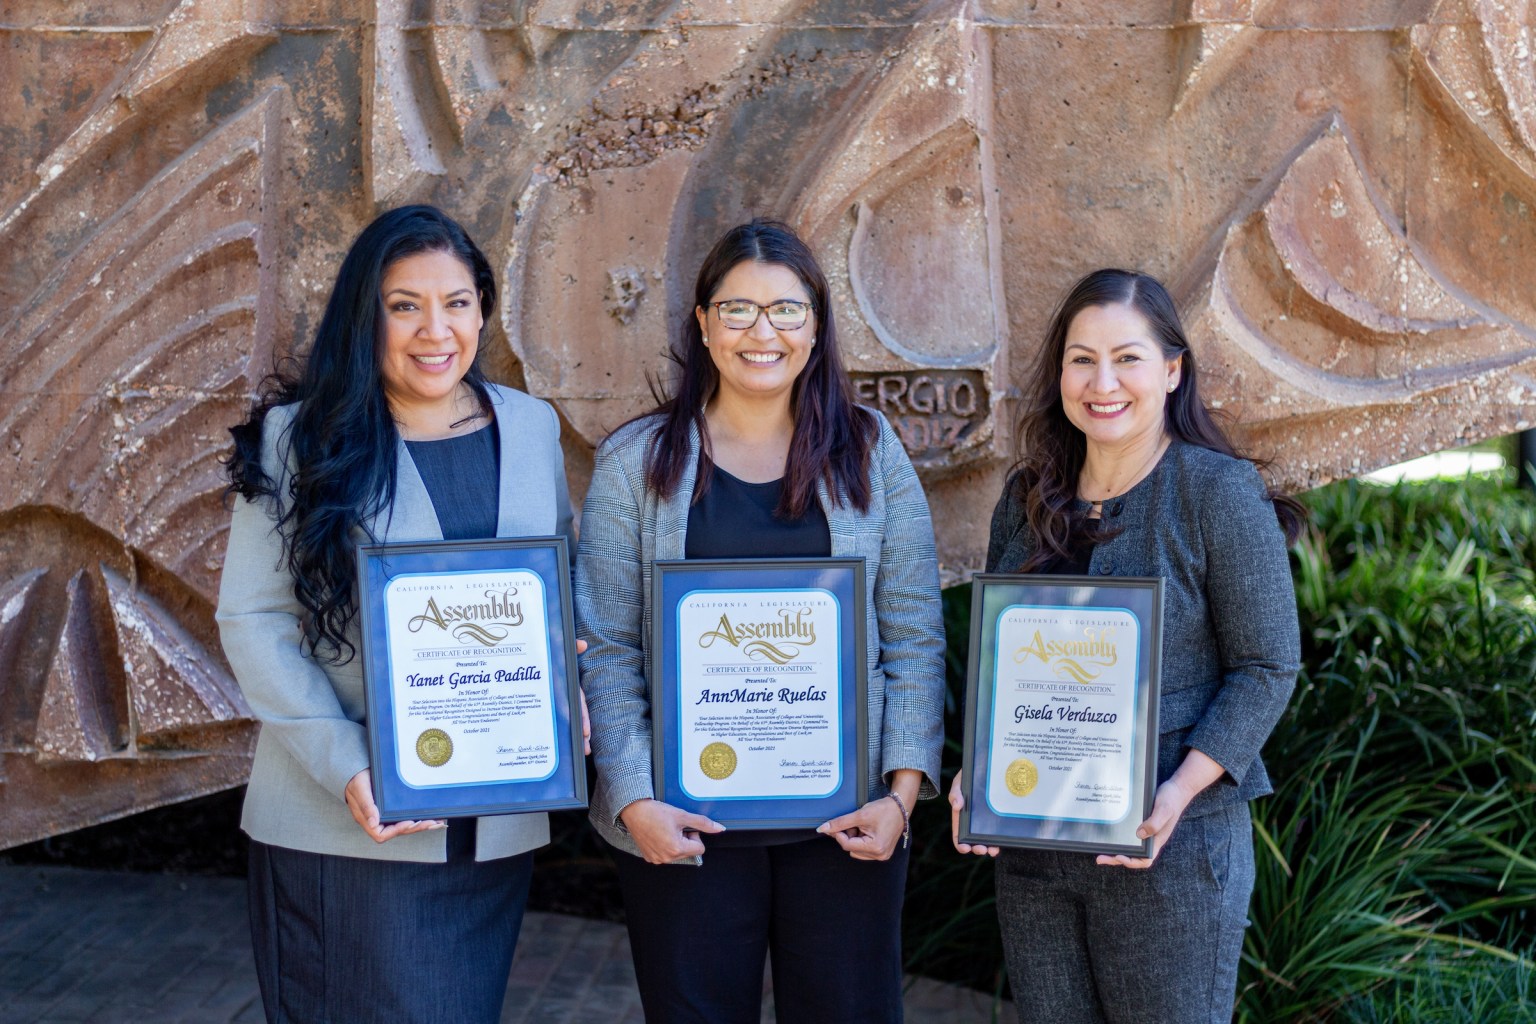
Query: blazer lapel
{"x": 842, "y": 523}
{"x": 412, "y": 516}
{"x": 506, "y": 513}
{"x": 672, "y": 511}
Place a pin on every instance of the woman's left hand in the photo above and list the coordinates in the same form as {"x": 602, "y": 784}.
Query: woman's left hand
{"x": 1196, "y": 772}
{"x": 586, "y": 719}
{"x": 1167, "y": 808}
{"x": 869, "y": 833}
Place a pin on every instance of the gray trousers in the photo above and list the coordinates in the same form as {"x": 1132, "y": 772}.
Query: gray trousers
{"x": 1087, "y": 944}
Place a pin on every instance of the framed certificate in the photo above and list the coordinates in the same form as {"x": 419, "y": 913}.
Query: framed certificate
{"x": 469, "y": 677}
{"x": 758, "y": 694}
{"x": 1060, "y": 747}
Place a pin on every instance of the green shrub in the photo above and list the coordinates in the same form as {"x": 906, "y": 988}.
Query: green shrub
{"x": 1475, "y": 990}
{"x": 1397, "y": 857}
{"x": 1400, "y": 833}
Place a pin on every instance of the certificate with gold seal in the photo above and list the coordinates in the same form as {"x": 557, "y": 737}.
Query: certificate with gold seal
{"x": 469, "y": 677}
{"x": 757, "y": 689}
{"x": 1060, "y": 744}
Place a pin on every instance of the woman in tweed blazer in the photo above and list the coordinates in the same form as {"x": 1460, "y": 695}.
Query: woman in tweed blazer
{"x": 1125, "y": 473}
{"x": 761, "y": 451}
{"x": 391, "y": 433}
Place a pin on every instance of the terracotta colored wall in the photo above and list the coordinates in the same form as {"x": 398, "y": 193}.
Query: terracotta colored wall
{"x": 1341, "y": 194}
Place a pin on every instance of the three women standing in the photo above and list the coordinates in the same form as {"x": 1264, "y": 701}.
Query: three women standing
{"x": 761, "y": 451}
{"x": 1125, "y": 473}
{"x": 390, "y": 433}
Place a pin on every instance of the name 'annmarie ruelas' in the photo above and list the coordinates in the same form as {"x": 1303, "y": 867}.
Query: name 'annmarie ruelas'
{"x": 740, "y": 695}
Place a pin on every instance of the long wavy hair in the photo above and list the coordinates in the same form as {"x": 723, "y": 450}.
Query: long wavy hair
{"x": 832, "y": 438}
{"x": 342, "y": 444}
{"x": 1053, "y": 450}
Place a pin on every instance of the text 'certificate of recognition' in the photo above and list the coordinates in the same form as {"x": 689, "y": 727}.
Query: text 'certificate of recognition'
{"x": 758, "y": 715}
{"x": 469, "y": 669}
{"x": 1054, "y": 753}
{"x": 758, "y": 708}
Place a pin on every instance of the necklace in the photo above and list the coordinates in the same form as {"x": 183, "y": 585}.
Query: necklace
{"x": 1097, "y": 506}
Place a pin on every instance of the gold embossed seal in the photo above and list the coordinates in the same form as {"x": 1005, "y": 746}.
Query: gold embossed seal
{"x": 434, "y": 748}
{"x": 1022, "y": 777}
{"x": 718, "y": 761}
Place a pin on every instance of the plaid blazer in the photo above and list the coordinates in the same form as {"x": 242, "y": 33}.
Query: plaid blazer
{"x": 625, "y": 527}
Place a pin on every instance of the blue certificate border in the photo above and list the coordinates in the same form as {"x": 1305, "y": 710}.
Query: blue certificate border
{"x": 547, "y": 558}
{"x": 837, "y": 706}
{"x": 1137, "y": 685}
{"x": 843, "y": 580}
{"x": 992, "y": 596}
{"x": 548, "y": 657}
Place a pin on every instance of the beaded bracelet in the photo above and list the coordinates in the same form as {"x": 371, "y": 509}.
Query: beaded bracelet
{"x": 906, "y": 821}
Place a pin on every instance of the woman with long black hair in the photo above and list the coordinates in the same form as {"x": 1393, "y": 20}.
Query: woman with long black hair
{"x": 1125, "y": 472}
{"x": 389, "y": 432}
{"x": 760, "y": 451}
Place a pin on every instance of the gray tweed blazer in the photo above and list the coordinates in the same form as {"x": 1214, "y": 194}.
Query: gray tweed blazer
{"x": 313, "y": 738}
{"x": 625, "y": 527}
{"x": 1231, "y": 645}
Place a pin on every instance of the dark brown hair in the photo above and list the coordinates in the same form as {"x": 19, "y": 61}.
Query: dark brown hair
{"x": 833, "y": 437}
{"x": 1053, "y": 450}
{"x": 343, "y": 439}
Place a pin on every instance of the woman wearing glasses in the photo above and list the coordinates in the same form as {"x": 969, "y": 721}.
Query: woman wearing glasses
{"x": 760, "y": 451}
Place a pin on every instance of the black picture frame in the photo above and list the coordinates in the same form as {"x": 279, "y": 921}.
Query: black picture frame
{"x": 1072, "y": 780}
{"x": 772, "y": 682}
{"x": 476, "y": 685}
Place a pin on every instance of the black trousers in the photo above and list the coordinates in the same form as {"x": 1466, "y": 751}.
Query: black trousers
{"x": 343, "y": 940}
{"x": 699, "y": 935}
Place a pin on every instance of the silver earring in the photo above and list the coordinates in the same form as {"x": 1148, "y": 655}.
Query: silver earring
{"x": 706, "y": 339}
{"x": 1171, "y": 386}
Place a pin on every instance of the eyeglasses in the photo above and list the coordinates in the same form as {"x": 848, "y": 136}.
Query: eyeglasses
{"x": 741, "y": 315}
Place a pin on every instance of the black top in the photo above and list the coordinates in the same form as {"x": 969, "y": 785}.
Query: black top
{"x": 734, "y": 519}
{"x": 462, "y": 478}
{"x": 1077, "y": 565}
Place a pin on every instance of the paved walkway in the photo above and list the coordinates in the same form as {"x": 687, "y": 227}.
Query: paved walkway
{"x": 96, "y": 946}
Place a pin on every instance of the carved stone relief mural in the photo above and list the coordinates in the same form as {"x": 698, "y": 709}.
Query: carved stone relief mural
{"x": 1340, "y": 194}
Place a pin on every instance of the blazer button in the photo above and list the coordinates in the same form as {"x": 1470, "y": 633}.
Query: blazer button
{"x": 1106, "y": 569}
{"x": 1119, "y": 507}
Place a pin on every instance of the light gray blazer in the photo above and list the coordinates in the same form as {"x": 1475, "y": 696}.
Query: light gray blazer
{"x": 625, "y": 527}
{"x": 1231, "y": 644}
{"x": 313, "y": 737}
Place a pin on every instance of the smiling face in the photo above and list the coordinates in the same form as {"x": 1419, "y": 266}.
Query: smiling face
{"x": 431, "y": 330}
{"x": 1114, "y": 378}
{"x": 760, "y": 361}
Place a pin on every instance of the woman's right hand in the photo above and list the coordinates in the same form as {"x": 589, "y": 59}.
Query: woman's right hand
{"x": 366, "y": 813}
{"x": 665, "y": 833}
{"x": 956, "y": 804}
